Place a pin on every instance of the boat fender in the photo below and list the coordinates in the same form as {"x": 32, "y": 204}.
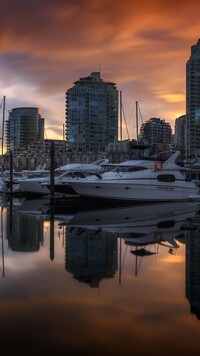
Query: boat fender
{"x": 158, "y": 165}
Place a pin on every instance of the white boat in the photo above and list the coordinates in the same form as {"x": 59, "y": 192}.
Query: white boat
{"x": 41, "y": 185}
{"x": 139, "y": 181}
{"x": 76, "y": 171}
{"x": 25, "y": 175}
{"x": 32, "y": 183}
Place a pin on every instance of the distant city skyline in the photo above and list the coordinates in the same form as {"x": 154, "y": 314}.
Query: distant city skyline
{"x": 143, "y": 47}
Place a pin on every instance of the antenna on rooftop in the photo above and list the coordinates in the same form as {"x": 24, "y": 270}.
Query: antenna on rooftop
{"x": 100, "y": 68}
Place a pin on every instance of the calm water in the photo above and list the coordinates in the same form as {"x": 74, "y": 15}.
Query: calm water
{"x": 120, "y": 281}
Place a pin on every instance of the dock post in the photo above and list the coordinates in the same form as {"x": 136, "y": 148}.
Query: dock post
{"x": 52, "y": 167}
{"x": 51, "y": 230}
{"x": 11, "y": 172}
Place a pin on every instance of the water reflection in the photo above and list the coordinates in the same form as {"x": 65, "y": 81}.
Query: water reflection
{"x": 139, "y": 225}
{"x": 90, "y": 255}
{"x": 97, "y": 241}
{"x": 26, "y": 232}
{"x": 143, "y": 228}
{"x": 193, "y": 268}
{"x": 140, "y": 257}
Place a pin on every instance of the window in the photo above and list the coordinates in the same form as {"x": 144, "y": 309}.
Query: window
{"x": 166, "y": 178}
{"x": 128, "y": 169}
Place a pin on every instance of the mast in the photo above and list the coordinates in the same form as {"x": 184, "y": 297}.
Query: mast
{"x": 120, "y": 100}
{"x": 2, "y": 138}
{"x": 136, "y": 104}
{"x": 63, "y": 146}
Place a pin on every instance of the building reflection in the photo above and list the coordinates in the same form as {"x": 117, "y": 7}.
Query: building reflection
{"x": 24, "y": 231}
{"x": 193, "y": 270}
{"x": 90, "y": 255}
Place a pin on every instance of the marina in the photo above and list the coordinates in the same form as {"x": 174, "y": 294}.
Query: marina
{"x": 100, "y": 178}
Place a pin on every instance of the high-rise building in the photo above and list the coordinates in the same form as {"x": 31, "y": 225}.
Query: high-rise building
{"x": 155, "y": 131}
{"x": 180, "y": 130}
{"x": 91, "y": 114}
{"x": 193, "y": 102}
{"x": 24, "y": 126}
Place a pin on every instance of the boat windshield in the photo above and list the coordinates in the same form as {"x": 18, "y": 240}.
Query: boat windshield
{"x": 75, "y": 174}
{"x": 128, "y": 169}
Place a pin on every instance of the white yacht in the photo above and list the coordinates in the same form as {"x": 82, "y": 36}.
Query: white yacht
{"x": 41, "y": 185}
{"x": 76, "y": 171}
{"x": 139, "y": 181}
{"x": 32, "y": 183}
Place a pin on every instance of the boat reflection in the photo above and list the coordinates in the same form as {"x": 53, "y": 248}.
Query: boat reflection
{"x": 142, "y": 228}
{"x": 96, "y": 242}
{"x": 138, "y": 225}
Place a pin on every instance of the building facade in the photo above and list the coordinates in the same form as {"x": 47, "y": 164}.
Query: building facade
{"x": 155, "y": 131}
{"x": 180, "y": 131}
{"x": 193, "y": 102}
{"x": 91, "y": 114}
{"x": 37, "y": 154}
{"x": 24, "y": 126}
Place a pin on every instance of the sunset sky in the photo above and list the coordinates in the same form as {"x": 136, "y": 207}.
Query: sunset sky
{"x": 142, "y": 46}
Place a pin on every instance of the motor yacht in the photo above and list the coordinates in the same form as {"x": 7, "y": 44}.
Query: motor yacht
{"x": 41, "y": 185}
{"x": 32, "y": 183}
{"x": 76, "y": 171}
{"x": 139, "y": 181}
{"x": 25, "y": 175}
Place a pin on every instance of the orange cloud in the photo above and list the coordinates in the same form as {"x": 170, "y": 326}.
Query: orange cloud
{"x": 141, "y": 46}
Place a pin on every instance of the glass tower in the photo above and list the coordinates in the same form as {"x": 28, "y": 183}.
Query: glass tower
{"x": 91, "y": 114}
{"x": 155, "y": 130}
{"x": 24, "y": 126}
{"x": 193, "y": 102}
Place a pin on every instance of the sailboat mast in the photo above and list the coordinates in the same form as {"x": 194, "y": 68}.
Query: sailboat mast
{"x": 120, "y": 103}
{"x": 2, "y": 138}
{"x": 136, "y": 104}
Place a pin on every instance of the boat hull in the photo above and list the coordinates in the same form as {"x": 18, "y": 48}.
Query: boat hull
{"x": 33, "y": 186}
{"x": 62, "y": 188}
{"x": 128, "y": 191}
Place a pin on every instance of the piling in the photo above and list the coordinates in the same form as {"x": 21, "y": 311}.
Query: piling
{"x": 52, "y": 230}
{"x": 11, "y": 172}
{"x": 52, "y": 167}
